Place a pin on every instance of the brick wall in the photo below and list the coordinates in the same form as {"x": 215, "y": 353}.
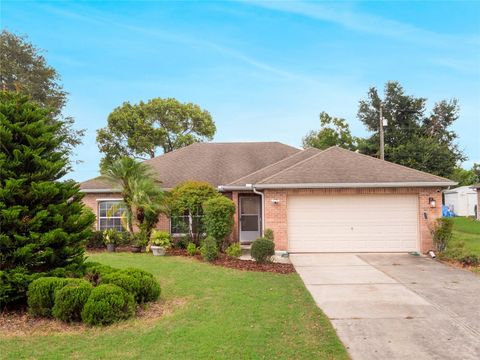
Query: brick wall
{"x": 276, "y": 214}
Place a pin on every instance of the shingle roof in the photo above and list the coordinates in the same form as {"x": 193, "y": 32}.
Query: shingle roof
{"x": 272, "y": 169}
{"x": 339, "y": 166}
{"x": 216, "y": 163}
{"x": 272, "y": 164}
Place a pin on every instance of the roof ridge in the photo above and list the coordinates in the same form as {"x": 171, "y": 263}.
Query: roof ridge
{"x": 300, "y": 162}
{"x": 395, "y": 164}
{"x": 268, "y": 166}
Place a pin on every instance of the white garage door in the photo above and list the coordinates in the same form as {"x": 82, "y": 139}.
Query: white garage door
{"x": 352, "y": 223}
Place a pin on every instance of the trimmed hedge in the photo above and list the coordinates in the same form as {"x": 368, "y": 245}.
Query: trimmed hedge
{"x": 107, "y": 304}
{"x": 41, "y": 294}
{"x": 70, "y": 299}
{"x": 130, "y": 284}
{"x": 262, "y": 250}
{"x": 149, "y": 289}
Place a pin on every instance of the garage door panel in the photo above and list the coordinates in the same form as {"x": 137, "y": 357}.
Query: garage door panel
{"x": 352, "y": 223}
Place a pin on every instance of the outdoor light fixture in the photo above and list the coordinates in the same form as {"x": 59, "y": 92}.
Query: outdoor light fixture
{"x": 432, "y": 202}
{"x": 275, "y": 201}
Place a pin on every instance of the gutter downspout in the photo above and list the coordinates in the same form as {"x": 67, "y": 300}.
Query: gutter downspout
{"x": 263, "y": 207}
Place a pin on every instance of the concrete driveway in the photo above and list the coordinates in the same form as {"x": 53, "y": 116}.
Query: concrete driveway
{"x": 396, "y": 306}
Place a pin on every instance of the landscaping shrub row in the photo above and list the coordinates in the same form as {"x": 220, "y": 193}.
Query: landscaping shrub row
{"x": 442, "y": 234}
{"x": 103, "y": 296}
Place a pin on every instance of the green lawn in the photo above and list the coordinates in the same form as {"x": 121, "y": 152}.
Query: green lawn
{"x": 220, "y": 313}
{"x": 467, "y": 230}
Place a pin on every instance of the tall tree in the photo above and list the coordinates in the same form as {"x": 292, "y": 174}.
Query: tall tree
{"x": 24, "y": 69}
{"x": 140, "y": 130}
{"x": 333, "y": 131}
{"x": 412, "y": 137}
{"x": 43, "y": 222}
{"x": 466, "y": 177}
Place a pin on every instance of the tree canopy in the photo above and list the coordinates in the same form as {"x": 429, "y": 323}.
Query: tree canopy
{"x": 413, "y": 137}
{"x": 24, "y": 69}
{"x": 333, "y": 132}
{"x": 140, "y": 130}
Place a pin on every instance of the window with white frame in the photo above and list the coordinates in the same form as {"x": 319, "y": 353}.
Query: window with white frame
{"x": 111, "y": 214}
{"x": 180, "y": 224}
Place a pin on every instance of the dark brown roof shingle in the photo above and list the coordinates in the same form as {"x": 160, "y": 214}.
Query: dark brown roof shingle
{"x": 216, "y": 163}
{"x": 336, "y": 166}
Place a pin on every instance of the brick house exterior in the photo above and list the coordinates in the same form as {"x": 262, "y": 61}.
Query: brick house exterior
{"x": 272, "y": 174}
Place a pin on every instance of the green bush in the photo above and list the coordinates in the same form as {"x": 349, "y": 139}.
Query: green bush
{"x": 107, "y": 304}
{"x": 149, "y": 286}
{"x": 95, "y": 241}
{"x": 262, "y": 250}
{"x": 469, "y": 260}
{"x": 41, "y": 295}
{"x": 111, "y": 236}
{"x": 234, "y": 250}
{"x": 187, "y": 198}
{"x": 209, "y": 249}
{"x": 442, "y": 233}
{"x": 218, "y": 218}
{"x": 181, "y": 242}
{"x": 161, "y": 238}
{"x": 125, "y": 238}
{"x": 191, "y": 249}
{"x": 129, "y": 283}
{"x": 268, "y": 234}
{"x": 70, "y": 299}
{"x": 95, "y": 271}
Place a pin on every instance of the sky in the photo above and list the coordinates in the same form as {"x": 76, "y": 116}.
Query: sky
{"x": 264, "y": 70}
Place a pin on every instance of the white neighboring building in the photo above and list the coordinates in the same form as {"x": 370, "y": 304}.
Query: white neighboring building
{"x": 462, "y": 200}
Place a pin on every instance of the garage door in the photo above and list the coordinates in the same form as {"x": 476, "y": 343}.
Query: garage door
{"x": 357, "y": 223}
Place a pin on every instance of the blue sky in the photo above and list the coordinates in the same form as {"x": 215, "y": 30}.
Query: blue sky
{"x": 265, "y": 70}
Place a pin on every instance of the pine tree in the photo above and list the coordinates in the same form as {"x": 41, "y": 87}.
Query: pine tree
{"x": 43, "y": 223}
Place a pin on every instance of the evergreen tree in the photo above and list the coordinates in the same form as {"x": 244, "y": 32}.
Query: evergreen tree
{"x": 43, "y": 222}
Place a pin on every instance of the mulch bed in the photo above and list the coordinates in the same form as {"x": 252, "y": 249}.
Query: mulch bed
{"x": 20, "y": 323}
{"x": 245, "y": 265}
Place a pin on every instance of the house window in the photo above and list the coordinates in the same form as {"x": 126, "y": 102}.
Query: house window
{"x": 111, "y": 215}
{"x": 180, "y": 224}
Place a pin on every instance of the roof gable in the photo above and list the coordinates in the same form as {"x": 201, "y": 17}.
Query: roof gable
{"x": 340, "y": 166}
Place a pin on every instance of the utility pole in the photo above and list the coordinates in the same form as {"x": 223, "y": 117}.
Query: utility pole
{"x": 382, "y": 141}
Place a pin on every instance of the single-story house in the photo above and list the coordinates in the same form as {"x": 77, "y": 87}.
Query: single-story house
{"x": 333, "y": 200}
{"x": 462, "y": 201}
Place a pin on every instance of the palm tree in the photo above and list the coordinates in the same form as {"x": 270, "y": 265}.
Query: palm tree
{"x": 140, "y": 192}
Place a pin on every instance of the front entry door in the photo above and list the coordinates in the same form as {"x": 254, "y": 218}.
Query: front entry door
{"x": 250, "y": 218}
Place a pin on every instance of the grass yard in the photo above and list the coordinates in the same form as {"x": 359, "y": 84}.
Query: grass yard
{"x": 467, "y": 230}
{"x": 214, "y": 313}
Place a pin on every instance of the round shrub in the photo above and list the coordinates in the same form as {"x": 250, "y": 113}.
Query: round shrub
{"x": 107, "y": 304}
{"x": 149, "y": 287}
{"x": 41, "y": 295}
{"x": 262, "y": 250}
{"x": 209, "y": 249}
{"x": 129, "y": 283}
{"x": 70, "y": 299}
{"x": 234, "y": 250}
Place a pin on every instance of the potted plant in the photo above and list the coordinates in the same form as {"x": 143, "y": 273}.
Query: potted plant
{"x": 110, "y": 238}
{"x": 159, "y": 242}
{"x": 136, "y": 244}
